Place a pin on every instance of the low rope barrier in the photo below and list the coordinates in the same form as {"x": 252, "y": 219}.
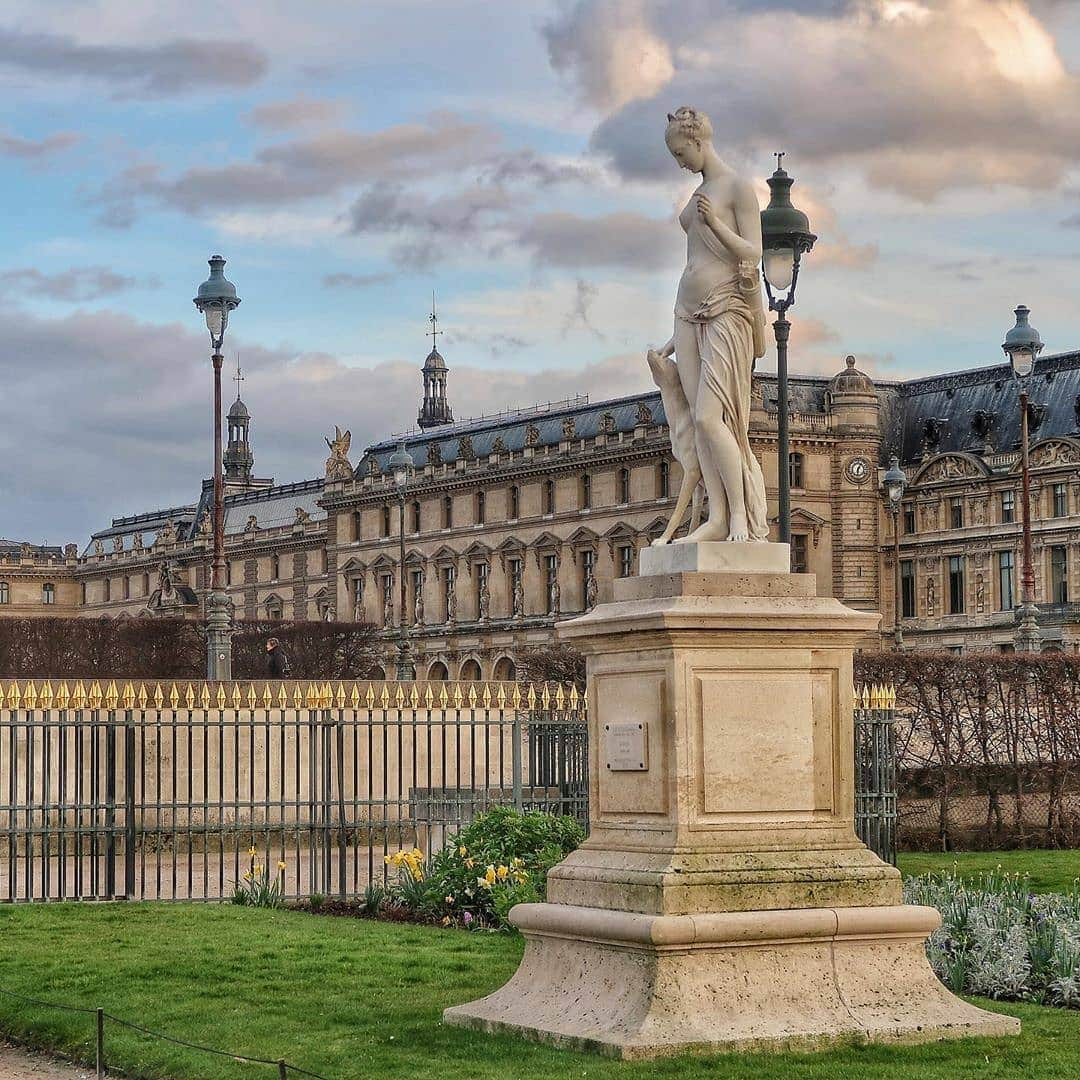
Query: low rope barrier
{"x": 283, "y": 1067}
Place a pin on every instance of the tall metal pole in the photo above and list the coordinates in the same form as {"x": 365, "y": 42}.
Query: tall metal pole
{"x": 1028, "y": 638}
{"x": 782, "y": 329}
{"x": 218, "y": 635}
{"x": 898, "y": 633}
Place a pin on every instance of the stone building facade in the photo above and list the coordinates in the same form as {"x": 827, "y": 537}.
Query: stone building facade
{"x": 515, "y": 521}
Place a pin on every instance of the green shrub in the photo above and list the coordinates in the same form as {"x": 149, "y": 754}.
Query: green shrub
{"x": 498, "y": 860}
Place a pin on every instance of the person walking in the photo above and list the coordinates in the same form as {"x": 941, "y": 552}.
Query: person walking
{"x": 277, "y": 663}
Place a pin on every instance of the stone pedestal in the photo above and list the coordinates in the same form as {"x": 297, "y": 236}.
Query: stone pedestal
{"x": 722, "y": 899}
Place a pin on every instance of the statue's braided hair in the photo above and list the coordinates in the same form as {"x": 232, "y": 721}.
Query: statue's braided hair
{"x": 691, "y": 122}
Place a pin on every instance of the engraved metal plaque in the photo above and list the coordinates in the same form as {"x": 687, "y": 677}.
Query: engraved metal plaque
{"x": 626, "y": 747}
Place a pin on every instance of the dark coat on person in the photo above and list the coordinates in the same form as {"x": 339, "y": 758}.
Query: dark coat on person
{"x": 277, "y": 663}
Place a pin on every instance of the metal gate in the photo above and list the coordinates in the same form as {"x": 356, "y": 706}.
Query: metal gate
{"x": 176, "y": 792}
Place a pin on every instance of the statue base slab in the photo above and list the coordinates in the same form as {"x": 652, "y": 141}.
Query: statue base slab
{"x": 716, "y": 557}
{"x": 643, "y": 986}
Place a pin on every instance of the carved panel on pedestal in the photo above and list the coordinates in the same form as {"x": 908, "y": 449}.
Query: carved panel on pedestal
{"x": 765, "y": 742}
{"x": 623, "y": 698}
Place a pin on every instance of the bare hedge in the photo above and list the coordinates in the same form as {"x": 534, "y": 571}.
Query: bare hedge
{"x": 176, "y": 648}
{"x": 988, "y": 748}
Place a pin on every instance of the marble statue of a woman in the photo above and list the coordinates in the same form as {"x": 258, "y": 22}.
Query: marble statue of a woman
{"x": 719, "y": 332}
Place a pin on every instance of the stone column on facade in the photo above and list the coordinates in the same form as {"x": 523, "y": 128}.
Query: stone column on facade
{"x": 722, "y": 900}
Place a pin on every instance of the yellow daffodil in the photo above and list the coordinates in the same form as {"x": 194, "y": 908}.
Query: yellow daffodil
{"x": 281, "y": 864}
{"x": 258, "y": 869}
{"x": 502, "y": 873}
{"x": 489, "y": 876}
{"x": 463, "y": 851}
{"x": 252, "y": 852}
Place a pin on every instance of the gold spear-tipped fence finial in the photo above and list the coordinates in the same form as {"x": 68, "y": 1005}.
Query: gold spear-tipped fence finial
{"x": 444, "y": 696}
{"x": 472, "y": 695}
{"x": 112, "y": 696}
{"x": 63, "y": 695}
{"x": 30, "y": 696}
{"x": 78, "y": 695}
{"x": 354, "y": 696}
{"x": 94, "y": 696}
{"x": 485, "y": 697}
{"x": 46, "y": 697}
{"x": 414, "y": 696}
{"x": 127, "y": 696}
{"x": 143, "y": 697}
{"x": 384, "y": 697}
{"x": 429, "y": 695}
{"x": 369, "y": 696}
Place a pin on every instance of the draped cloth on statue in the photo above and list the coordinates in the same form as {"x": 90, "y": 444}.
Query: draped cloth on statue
{"x": 723, "y": 333}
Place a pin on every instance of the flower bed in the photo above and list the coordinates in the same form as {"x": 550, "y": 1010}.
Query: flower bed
{"x": 499, "y": 859}
{"x": 999, "y": 940}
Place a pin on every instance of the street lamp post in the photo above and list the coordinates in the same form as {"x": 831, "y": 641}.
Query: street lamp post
{"x": 402, "y": 465}
{"x": 785, "y": 238}
{"x": 1022, "y": 344}
{"x": 216, "y": 299}
{"x": 893, "y": 483}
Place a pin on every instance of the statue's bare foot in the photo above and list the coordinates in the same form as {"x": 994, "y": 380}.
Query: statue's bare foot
{"x": 739, "y": 533}
{"x": 709, "y": 531}
{"x": 661, "y": 541}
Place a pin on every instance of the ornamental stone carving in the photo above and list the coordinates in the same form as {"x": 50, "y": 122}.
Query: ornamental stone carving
{"x": 568, "y": 428}
{"x": 532, "y": 435}
{"x": 644, "y": 414}
{"x": 118, "y": 545}
{"x": 465, "y": 450}
{"x": 1048, "y": 454}
{"x": 949, "y": 468}
{"x": 337, "y": 464}
{"x": 434, "y": 454}
{"x": 607, "y": 423}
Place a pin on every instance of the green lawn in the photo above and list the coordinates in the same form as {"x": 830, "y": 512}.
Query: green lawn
{"x": 350, "y": 998}
{"x": 1050, "y": 871}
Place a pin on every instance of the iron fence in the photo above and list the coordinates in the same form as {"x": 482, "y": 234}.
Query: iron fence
{"x": 176, "y": 791}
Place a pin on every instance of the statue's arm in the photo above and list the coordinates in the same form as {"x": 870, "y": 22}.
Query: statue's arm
{"x": 744, "y": 244}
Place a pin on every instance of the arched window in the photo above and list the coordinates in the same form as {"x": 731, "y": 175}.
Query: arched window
{"x": 549, "y": 496}
{"x": 447, "y": 512}
{"x": 48, "y": 593}
{"x": 624, "y": 486}
{"x": 481, "y": 508}
{"x": 470, "y": 671}
{"x": 586, "y": 492}
{"x": 505, "y": 669}
{"x": 663, "y": 484}
{"x": 515, "y": 502}
{"x": 438, "y": 672}
{"x": 795, "y": 470}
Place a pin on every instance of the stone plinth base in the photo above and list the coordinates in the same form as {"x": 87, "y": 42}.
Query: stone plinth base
{"x": 640, "y": 986}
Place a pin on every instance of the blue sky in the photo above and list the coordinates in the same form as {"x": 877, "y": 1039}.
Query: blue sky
{"x": 349, "y": 159}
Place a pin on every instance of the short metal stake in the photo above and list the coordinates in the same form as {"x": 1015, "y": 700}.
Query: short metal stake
{"x": 282, "y": 1069}
{"x": 101, "y": 1044}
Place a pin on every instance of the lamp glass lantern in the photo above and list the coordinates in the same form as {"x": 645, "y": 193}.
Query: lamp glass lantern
{"x": 785, "y": 236}
{"x": 215, "y": 299}
{"x": 1022, "y": 344}
{"x": 401, "y": 465}
{"x": 894, "y": 482}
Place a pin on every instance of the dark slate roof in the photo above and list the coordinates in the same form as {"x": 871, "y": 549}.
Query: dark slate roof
{"x": 14, "y": 547}
{"x": 512, "y": 426}
{"x": 272, "y": 506}
{"x": 955, "y": 398}
{"x": 148, "y": 524}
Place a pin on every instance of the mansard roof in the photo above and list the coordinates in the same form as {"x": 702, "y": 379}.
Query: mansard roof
{"x": 951, "y": 401}
{"x": 272, "y": 507}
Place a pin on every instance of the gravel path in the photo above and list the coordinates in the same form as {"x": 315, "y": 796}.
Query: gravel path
{"x": 19, "y": 1064}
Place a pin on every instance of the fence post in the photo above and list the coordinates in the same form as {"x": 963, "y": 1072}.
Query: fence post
{"x": 100, "y": 1056}
{"x": 129, "y": 805}
{"x": 110, "y": 805}
{"x": 515, "y": 760}
{"x": 343, "y": 841}
{"x": 282, "y": 1069}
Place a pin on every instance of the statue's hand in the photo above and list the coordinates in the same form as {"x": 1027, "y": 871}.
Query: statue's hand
{"x": 706, "y": 211}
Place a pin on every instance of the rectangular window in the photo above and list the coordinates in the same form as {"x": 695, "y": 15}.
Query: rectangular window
{"x": 107, "y": 590}
{"x": 956, "y": 584}
{"x": 664, "y": 485}
{"x": 795, "y": 470}
{"x": 517, "y": 594}
{"x": 956, "y": 513}
{"x": 799, "y": 564}
{"x": 5, "y": 593}
{"x": 386, "y": 521}
{"x": 515, "y": 502}
{"x": 907, "y": 588}
{"x": 1006, "y": 580}
{"x": 417, "y": 587}
{"x": 82, "y": 592}
{"x": 356, "y": 520}
{"x": 48, "y": 593}
{"x": 447, "y": 512}
{"x": 416, "y": 516}
{"x": 586, "y": 492}
{"x": 127, "y": 587}
{"x": 626, "y": 560}
{"x": 624, "y": 486}
{"x": 1059, "y": 574}
{"x": 275, "y": 567}
{"x": 1061, "y": 508}
{"x": 549, "y": 496}
{"x": 448, "y": 590}
{"x": 909, "y": 520}
{"x": 1008, "y": 507}
{"x": 481, "y": 508}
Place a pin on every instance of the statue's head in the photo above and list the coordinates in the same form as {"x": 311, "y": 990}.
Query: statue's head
{"x": 688, "y": 134}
